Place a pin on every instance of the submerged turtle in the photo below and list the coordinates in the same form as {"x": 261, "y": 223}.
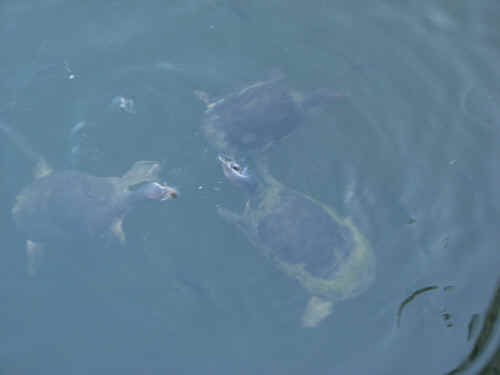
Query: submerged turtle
{"x": 304, "y": 238}
{"x": 74, "y": 206}
{"x": 259, "y": 115}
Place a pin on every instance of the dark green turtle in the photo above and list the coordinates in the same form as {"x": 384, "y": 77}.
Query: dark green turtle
{"x": 304, "y": 238}
{"x": 257, "y": 116}
{"x": 71, "y": 206}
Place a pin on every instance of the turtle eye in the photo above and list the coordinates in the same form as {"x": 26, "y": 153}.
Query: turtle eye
{"x": 236, "y": 167}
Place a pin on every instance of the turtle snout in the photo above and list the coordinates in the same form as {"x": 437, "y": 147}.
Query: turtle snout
{"x": 170, "y": 193}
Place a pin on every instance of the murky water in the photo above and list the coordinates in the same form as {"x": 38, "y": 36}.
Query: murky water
{"x": 408, "y": 152}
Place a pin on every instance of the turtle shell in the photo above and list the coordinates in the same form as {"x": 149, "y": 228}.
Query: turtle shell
{"x": 254, "y": 118}
{"x": 68, "y": 206}
{"x": 308, "y": 240}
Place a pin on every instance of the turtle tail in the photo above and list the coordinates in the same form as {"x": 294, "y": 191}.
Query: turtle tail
{"x": 42, "y": 168}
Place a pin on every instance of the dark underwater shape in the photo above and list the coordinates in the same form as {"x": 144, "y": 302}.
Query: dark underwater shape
{"x": 71, "y": 205}
{"x": 256, "y": 117}
{"x": 74, "y": 206}
{"x": 304, "y": 238}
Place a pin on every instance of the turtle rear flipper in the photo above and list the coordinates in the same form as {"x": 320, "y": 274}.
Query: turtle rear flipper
{"x": 42, "y": 168}
{"x": 34, "y": 253}
{"x": 316, "y": 311}
{"x": 117, "y": 230}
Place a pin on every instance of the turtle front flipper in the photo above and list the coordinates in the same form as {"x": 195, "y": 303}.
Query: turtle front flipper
{"x": 141, "y": 171}
{"x": 317, "y": 310}
{"x": 34, "y": 253}
{"x": 233, "y": 218}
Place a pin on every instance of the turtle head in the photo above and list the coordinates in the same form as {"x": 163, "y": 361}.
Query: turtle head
{"x": 237, "y": 174}
{"x": 155, "y": 191}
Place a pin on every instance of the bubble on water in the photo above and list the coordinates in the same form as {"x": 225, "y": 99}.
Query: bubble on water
{"x": 120, "y": 103}
{"x": 68, "y": 70}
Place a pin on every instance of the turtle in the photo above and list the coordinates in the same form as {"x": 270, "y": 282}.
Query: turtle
{"x": 73, "y": 206}
{"x": 251, "y": 120}
{"x": 303, "y": 237}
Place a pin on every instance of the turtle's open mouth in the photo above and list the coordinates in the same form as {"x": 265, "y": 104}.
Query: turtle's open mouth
{"x": 166, "y": 192}
{"x": 231, "y": 168}
{"x": 237, "y": 174}
{"x": 170, "y": 193}
{"x": 157, "y": 191}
